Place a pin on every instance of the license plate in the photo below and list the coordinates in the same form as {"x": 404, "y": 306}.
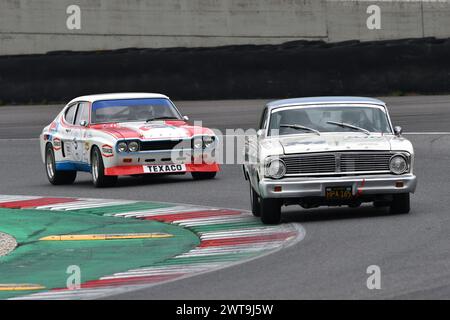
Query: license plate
{"x": 338, "y": 193}
{"x": 165, "y": 168}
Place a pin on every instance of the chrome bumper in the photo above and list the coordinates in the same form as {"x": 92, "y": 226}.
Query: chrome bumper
{"x": 315, "y": 187}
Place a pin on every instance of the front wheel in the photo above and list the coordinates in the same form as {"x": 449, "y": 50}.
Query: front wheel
{"x": 255, "y": 201}
{"x": 270, "y": 211}
{"x": 56, "y": 177}
{"x": 99, "y": 179}
{"x": 400, "y": 203}
{"x": 203, "y": 175}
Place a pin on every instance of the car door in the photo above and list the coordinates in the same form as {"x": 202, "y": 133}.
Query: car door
{"x": 67, "y": 132}
{"x": 79, "y": 133}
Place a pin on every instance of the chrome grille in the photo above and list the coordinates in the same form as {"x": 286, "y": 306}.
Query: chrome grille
{"x": 361, "y": 162}
{"x": 337, "y": 163}
{"x": 320, "y": 163}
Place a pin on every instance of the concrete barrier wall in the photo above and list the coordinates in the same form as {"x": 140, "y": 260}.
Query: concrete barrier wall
{"x": 39, "y": 26}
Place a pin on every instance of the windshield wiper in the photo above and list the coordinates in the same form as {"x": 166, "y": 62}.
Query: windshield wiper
{"x": 161, "y": 118}
{"x": 298, "y": 127}
{"x": 346, "y": 125}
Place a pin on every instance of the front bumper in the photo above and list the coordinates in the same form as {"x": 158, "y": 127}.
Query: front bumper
{"x": 135, "y": 163}
{"x": 315, "y": 187}
{"x": 139, "y": 169}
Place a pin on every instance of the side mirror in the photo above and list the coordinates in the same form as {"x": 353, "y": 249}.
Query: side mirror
{"x": 83, "y": 123}
{"x": 398, "y": 130}
{"x": 185, "y": 118}
{"x": 260, "y": 133}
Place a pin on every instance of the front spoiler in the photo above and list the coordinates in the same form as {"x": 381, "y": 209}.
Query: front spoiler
{"x": 138, "y": 170}
{"x": 315, "y": 187}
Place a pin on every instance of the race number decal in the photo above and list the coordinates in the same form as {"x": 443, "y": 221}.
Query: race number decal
{"x": 165, "y": 168}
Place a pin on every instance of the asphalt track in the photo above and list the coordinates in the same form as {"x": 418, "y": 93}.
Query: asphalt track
{"x": 411, "y": 250}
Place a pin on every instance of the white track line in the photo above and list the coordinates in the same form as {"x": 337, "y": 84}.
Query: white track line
{"x": 214, "y": 220}
{"x": 241, "y": 233}
{"x": 175, "y": 267}
{"x": 224, "y": 250}
{"x": 77, "y": 205}
{"x": 160, "y": 212}
{"x": 4, "y": 199}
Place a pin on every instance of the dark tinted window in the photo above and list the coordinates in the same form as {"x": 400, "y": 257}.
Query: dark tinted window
{"x": 328, "y": 118}
{"x": 109, "y": 111}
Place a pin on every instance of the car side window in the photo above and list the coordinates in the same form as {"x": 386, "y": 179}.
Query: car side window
{"x": 70, "y": 114}
{"x": 263, "y": 121}
{"x": 83, "y": 113}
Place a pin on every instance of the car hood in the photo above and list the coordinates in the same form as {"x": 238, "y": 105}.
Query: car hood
{"x": 153, "y": 130}
{"x": 335, "y": 142}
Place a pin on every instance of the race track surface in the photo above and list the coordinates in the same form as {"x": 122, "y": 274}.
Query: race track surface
{"x": 411, "y": 250}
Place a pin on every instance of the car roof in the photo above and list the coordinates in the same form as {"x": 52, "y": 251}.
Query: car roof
{"x": 323, "y": 100}
{"x": 119, "y": 96}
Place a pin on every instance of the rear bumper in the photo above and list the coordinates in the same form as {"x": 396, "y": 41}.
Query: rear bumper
{"x": 315, "y": 187}
{"x": 139, "y": 169}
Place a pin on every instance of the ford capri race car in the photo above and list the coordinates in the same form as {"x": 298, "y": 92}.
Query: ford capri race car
{"x": 133, "y": 134}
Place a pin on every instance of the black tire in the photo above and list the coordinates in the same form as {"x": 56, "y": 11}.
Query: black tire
{"x": 381, "y": 204}
{"x": 56, "y": 177}
{"x": 270, "y": 211}
{"x": 400, "y": 203}
{"x": 255, "y": 202}
{"x": 98, "y": 171}
{"x": 203, "y": 175}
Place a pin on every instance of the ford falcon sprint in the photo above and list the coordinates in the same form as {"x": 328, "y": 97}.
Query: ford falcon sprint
{"x": 328, "y": 151}
{"x": 132, "y": 134}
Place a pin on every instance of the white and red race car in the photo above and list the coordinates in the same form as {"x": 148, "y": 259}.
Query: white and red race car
{"x": 134, "y": 134}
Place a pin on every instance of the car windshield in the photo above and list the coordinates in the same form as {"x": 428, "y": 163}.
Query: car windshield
{"x": 110, "y": 111}
{"x": 313, "y": 120}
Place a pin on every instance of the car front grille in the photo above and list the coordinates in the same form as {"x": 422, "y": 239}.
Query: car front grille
{"x": 363, "y": 162}
{"x": 339, "y": 163}
{"x": 165, "y": 145}
{"x": 310, "y": 164}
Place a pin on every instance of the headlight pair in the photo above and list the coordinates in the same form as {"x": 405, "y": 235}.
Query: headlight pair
{"x": 276, "y": 168}
{"x": 128, "y": 146}
{"x": 203, "y": 142}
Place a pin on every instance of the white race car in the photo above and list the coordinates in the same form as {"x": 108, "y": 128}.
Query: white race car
{"x": 135, "y": 134}
{"x": 328, "y": 151}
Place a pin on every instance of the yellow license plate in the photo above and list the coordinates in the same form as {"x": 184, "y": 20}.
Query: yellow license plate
{"x": 338, "y": 193}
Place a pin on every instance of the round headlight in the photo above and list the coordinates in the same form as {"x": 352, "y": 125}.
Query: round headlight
{"x": 398, "y": 164}
{"x": 198, "y": 143}
{"x": 208, "y": 141}
{"x": 122, "y": 147}
{"x": 133, "y": 146}
{"x": 276, "y": 169}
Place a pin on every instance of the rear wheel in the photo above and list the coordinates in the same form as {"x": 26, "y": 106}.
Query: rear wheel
{"x": 203, "y": 175}
{"x": 400, "y": 203}
{"x": 255, "y": 202}
{"x": 270, "y": 211}
{"x": 99, "y": 179}
{"x": 56, "y": 177}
